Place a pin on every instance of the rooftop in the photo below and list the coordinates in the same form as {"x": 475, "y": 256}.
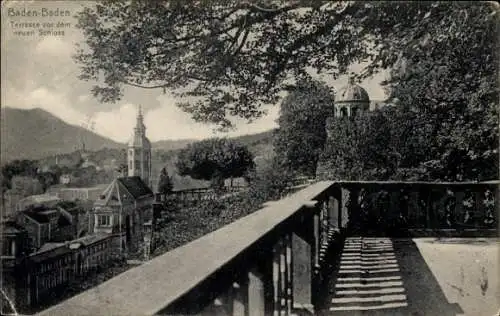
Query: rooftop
{"x": 135, "y": 186}
{"x": 10, "y": 227}
{"x": 352, "y": 92}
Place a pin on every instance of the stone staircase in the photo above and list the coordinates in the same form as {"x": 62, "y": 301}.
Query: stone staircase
{"x": 368, "y": 279}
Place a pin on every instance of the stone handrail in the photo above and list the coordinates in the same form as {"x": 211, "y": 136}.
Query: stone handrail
{"x": 267, "y": 262}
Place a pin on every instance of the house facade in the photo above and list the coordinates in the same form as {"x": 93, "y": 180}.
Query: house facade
{"x": 122, "y": 210}
{"x": 30, "y": 280}
{"x": 45, "y": 224}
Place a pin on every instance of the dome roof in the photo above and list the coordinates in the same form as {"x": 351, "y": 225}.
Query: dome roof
{"x": 352, "y": 93}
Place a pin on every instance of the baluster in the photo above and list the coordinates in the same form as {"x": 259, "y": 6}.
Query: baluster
{"x": 354, "y": 217}
{"x": 335, "y": 219}
{"x": 321, "y": 219}
{"x": 316, "y": 240}
{"x": 240, "y": 296}
{"x": 441, "y": 209}
{"x": 429, "y": 209}
{"x": 459, "y": 206}
{"x": 394, "y": 208}
{"x": 496, "y": 205}
{"x": 480, "y": 210}
{"x": 283, "y": 278}
{"x": 413, "y": 209}
{"x": 276, "y": 278}
{"x": 324, "y": 229}
{"x": 289, "y": 274}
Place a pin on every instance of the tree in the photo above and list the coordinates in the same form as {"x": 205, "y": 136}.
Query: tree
{"x": 122, "y": 169}
{"x": 449, "y": 84}
{"x": 22, "y": 167}
{"x": 232, "y": 57}
{"x": 26, "y": 185}
{"x": 165, "y": 183}
{"x": 47, "y": 178}
{"x": 360, "y": 148}
{"x": 214, "y": 159}
{"x": 301, "y": 136}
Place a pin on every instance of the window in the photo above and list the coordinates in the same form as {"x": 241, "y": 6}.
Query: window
{"x": 354, "y": 111}
{"x": 104, "y": 220}
{"x": 343, "y": 112}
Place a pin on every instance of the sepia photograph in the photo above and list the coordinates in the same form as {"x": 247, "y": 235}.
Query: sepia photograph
{"x": 249, "y": 158}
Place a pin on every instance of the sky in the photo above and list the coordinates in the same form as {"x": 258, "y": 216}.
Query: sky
{"x": 38, "y": 72}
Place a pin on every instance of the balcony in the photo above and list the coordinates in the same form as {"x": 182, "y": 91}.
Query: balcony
{"x": 332, "y": 248}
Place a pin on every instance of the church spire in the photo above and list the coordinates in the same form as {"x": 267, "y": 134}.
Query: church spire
{"x": 139, "y": 126}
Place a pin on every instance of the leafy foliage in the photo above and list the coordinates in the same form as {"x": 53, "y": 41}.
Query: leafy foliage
{"x": 184, "y": 225}
{"x": 231, "y": 57}
{"x": 301, "y": 136}
{"x": 449, "y": 83}
{"x": 445, "y": 122}
{"x": 215, "y": 159}
{"x": 25, "y": 167}
{"x": 165, "y": 183}
{"x": 269, "y": 181}
{"x": 26, "y": 186}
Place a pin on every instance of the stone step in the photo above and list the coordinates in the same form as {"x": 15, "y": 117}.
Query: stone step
{"x": 367, "y": 308}
{"x": 369, "y": 271}
{"x": 374, "y": 299}
{"x": 371, "y": 284}
{"x": 370, "y": 279}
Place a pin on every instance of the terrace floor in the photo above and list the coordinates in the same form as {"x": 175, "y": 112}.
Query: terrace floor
{"x": 419, "y": 276}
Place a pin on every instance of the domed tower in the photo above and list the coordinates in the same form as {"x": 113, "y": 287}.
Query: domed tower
{"x": 139, "y": 152}
{"x": 351, "y": 99}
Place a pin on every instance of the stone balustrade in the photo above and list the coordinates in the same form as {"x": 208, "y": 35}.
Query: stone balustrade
{"x": 271, "y": 261}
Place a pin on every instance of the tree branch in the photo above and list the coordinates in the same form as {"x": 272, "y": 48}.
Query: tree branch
{"x": 256, "y": 7}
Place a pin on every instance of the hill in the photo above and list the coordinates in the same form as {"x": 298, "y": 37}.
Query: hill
{"x": 251, "y": 140}
{"x": 38, "y": 135}
{"x": 35, "y": 133}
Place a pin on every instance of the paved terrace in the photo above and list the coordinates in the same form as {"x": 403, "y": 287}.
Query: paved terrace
{"x": 419, "y": 276}
{"x": 299, "y": 256}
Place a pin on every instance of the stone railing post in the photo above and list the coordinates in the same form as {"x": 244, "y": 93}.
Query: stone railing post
{"x": 302, "y": 269}
{"x": 344, "y": 211}
{"x": 354, "y": 216}
{"x": 334, "y": 209}
{"x": 256, "y": 294}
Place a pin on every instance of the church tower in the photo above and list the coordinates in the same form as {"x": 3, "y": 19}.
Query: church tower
{"x": 139, "y": 152}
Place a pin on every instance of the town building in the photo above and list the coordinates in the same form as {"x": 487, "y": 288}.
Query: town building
{"x": 10, "y": 201}
{"x": 62, "y": 222}
{"x": 139, "y": 152}
{"x": 123, "y": 210}
{"x": 39, "y": 200}
{"x": 30, "y": 280}
{"x": 77, "y": 194}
